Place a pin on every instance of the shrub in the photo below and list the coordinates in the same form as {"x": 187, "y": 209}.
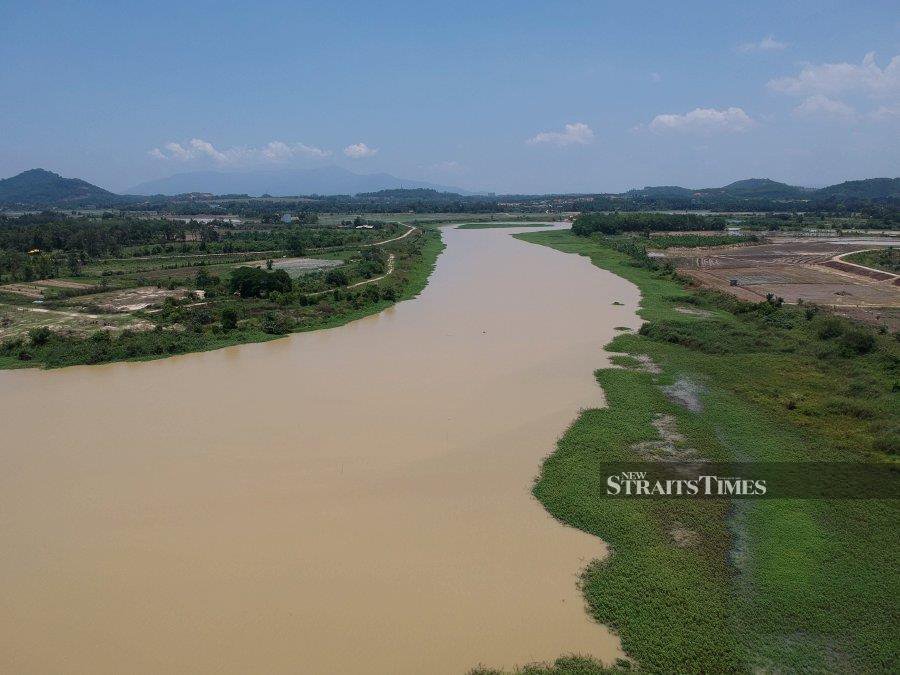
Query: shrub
{"x": 830, "y": 327}
{"x": 336, "y": 278}
{"x": 276, "y": 323}
{"x": 40, "y": 336}
{"x": 251, "y": 282}
{"x": 229, "y": 318}
{"x": 857, "y": 341}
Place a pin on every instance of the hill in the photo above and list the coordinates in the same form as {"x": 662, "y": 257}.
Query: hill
{"x": 37, "y": 187}
{"x": 872, "y": 188}
{"x": 758, "y": 188}
{"x": 662, "y": 191}
{"x": 327, "y": 180}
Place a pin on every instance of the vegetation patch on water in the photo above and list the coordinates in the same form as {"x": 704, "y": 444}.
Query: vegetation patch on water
{"x": 724, "y": 585}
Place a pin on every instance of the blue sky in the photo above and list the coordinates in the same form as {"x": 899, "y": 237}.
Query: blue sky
{"x": 504, "y": 96}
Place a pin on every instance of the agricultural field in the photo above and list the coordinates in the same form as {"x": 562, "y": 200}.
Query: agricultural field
{"x": 799, "y": 270}
{"x": 88, "y": 290}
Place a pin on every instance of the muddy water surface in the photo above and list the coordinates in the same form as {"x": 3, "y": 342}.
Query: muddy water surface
{"x": 347, "y": 501}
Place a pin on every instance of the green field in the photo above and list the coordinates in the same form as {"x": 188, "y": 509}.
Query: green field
{"x": 774, "y": 585}
{"x": 697, "y": 240}
{"x": 887, "y": 259}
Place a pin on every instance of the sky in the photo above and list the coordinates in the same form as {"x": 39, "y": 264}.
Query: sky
{"x": 510, "y": 97}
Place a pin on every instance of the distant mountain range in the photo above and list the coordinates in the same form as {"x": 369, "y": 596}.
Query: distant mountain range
{"x": 326, "y": 180}
{"x": 757, "y": 188}
{"x": 38, "y": 188}
{"x": 766, "y": 189}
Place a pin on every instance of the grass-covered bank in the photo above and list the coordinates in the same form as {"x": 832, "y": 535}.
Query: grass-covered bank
{"x": 192, "y": 327}
{"x": 716, "y": 586}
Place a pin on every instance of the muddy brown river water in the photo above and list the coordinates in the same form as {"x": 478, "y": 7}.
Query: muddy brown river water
{"x": 355, "y": 500}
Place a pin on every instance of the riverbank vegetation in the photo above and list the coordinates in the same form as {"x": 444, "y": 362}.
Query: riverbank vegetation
{"x": 768, "y": 585}
{"x": 136, "y": 289}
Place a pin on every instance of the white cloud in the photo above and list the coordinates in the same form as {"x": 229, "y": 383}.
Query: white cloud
{"x": 819, "y": 105}
{"x": 830, "y": 79}
{"x": 767, "y": 44}
{"x": 198, "y": 149}
{"x": 704, "y": 120}
{"x": 577, "y": 133}
{"x": 279, "y": 152}
{"x": 359, "y": 150}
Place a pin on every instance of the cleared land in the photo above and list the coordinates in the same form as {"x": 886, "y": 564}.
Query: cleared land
{"x": 798, "y": 270}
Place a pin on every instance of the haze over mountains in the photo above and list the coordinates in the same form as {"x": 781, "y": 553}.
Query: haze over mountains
{"x": 38, "y": 188}
{"x": 327, "y": 180}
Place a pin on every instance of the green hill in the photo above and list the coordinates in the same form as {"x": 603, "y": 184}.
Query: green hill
{"x": 759, "y": 188}
{"x": 38, "y": 187}
{"x": 873, "y": 188}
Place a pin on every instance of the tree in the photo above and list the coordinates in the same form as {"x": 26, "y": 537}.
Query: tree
{"x": 295, "y": 245}
{"x": 73, "y": 261}
{"x": 336, "y": 278}
{"x": 229, "y": 318}
{"x": 249, "y": 282}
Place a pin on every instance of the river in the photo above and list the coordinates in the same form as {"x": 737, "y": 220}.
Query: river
{"x": 355, "y": 500}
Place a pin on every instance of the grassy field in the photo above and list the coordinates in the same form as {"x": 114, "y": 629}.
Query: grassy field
{"x": 695, "y": 240}
{"x": 887, "y": 259}
{"x": 773, "y": 585}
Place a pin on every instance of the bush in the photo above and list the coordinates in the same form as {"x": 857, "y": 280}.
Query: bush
{"x": 336, "y": 278}
{"x": 857, "y": 341}
{"x": 276, "y": 323}
{"x": 251, "y": 282}
{"x": 40, "y": 336}
{"x": 830, "y": 327}
{"x": 229, "y": 318}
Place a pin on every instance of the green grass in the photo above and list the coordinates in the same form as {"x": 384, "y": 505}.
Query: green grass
{"x": 696, "y": 240}
{"x": 777, "y": 584}
{"x": 886, "y": 259}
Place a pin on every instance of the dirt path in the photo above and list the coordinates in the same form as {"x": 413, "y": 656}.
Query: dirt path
{"x": 388, "y": 241}
{"x": 41, "y": 310}
{"x": 390, "y": 270}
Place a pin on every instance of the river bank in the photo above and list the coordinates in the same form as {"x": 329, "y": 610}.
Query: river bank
{"x": 720, "y": 585}
{"x": 194, "y": 326}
